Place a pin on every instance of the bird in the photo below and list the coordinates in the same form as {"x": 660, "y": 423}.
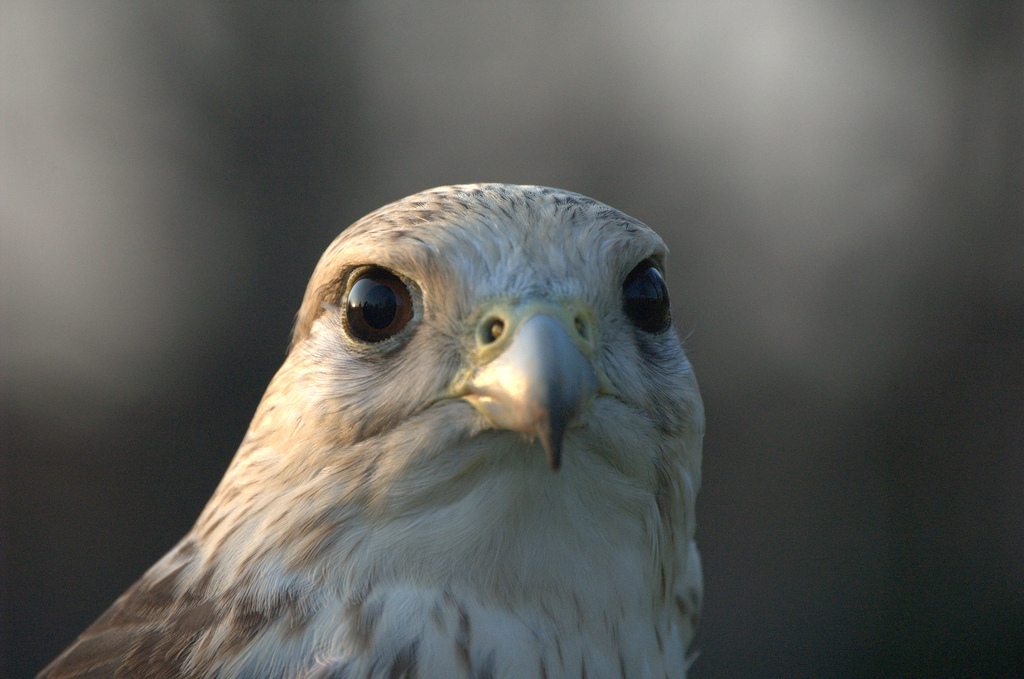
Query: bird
{"x": 479, "y": 458}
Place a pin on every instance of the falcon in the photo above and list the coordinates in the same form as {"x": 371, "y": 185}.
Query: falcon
{"x": 479, "y": 459}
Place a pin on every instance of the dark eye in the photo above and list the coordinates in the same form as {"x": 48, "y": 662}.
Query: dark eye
{"x": 645, "y": 298}
{"x": 378, "y": 306}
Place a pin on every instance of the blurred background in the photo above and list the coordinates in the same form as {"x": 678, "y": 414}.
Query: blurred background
{"x": 841, "y": 186}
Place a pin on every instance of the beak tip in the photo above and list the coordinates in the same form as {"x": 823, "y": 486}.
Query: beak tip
{"x": 553, "y": 448}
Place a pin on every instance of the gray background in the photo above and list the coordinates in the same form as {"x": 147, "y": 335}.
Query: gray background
{"x": 840, "y": 184}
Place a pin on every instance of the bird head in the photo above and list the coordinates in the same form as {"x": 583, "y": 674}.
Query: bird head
{"x": 526, "y": 303}
{"x": 509, "y": 345}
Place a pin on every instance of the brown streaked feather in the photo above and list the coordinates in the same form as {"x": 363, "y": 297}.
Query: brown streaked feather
{"x": 149, "y": 631}
{"x": 153, "y": 629}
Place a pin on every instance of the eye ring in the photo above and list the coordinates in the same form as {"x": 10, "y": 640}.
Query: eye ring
{"x": 377, "y": 306}
{"x": 645, "y": 298}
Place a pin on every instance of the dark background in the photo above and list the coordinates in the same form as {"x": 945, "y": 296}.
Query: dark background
{"x": 840, "y": 184}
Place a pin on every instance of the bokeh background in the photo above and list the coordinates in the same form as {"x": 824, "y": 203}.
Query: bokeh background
{"x": 840, "y": 184}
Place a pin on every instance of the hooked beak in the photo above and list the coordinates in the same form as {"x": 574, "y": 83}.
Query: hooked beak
{"x": 538, "y": 384}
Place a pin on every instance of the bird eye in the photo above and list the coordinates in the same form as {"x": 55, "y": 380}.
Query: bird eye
{"x": 378, "y": 306}
{"x": 645, "y": 298}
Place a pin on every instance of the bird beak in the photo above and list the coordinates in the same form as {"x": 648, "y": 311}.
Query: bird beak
{"x": 538, "y": 383}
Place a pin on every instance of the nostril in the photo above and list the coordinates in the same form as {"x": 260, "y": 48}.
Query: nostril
{"x": 581, "y": 328}
{"x": 493, "y": 330}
